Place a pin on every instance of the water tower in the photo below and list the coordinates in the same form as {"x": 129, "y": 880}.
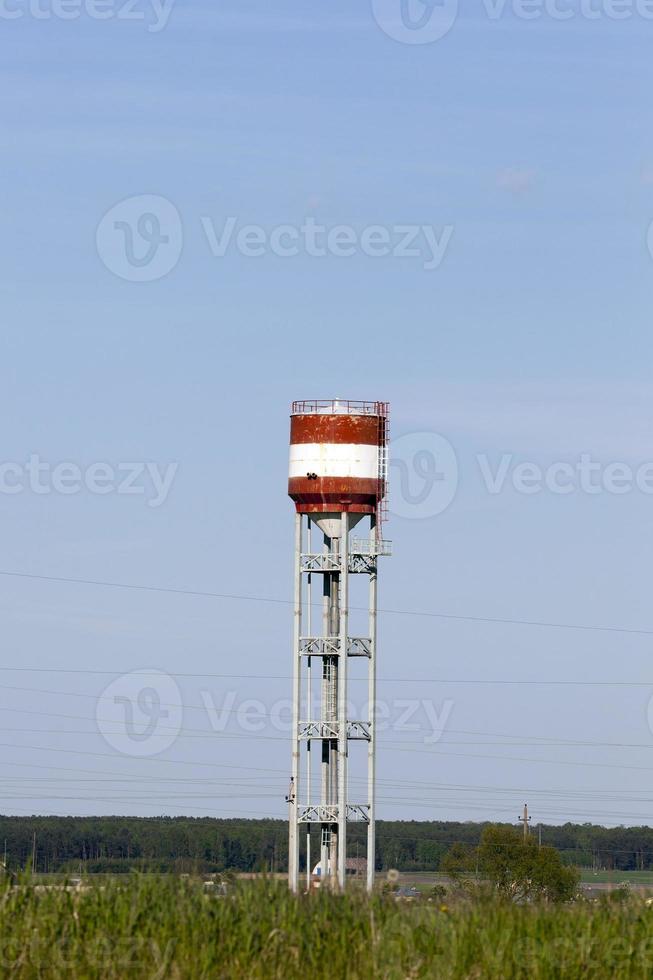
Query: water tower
{"x": 338, "y": 482}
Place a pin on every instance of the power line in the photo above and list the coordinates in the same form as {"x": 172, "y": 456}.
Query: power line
{"x": 457, "y": 755}
{"x": 528, "y": 739}
{"x": 384, "y": 836}
{"x": 199, "y": 594}
{"x": 189, "y": 733}
{"x": 430, "y": 614}
{"x": 285, "y": 677}
{"x": 155, "y": 802}
{"x": 140, "y": 776}
{"x": 513, "y": 758}
{"x": 99, "y": 799}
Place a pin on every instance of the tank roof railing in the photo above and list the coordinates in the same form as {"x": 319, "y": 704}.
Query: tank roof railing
{"x": 339, "y": 406}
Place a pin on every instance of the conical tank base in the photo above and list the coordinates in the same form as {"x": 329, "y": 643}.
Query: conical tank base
{"x": 331, "y": 524}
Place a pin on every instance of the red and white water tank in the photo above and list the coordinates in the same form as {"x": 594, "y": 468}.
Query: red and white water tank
{"x": 338, "y": 459}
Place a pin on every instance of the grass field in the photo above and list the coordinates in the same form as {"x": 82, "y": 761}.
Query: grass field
{"x": 424, "y": 881}
{"x": 166, "y": 927}
{"x": 642, "y": 878}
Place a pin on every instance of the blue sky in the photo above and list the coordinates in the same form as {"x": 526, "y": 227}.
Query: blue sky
{"x": 528, "y": 140}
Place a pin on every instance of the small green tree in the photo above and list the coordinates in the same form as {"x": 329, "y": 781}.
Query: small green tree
{"x": 459, "y": 862}
{"x": 520, "y": 869}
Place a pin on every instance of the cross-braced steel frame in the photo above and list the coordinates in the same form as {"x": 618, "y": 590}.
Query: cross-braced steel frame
{"x": 327, "y": 737}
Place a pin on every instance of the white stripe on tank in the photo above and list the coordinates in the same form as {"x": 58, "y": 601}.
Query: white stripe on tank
{"x": 334, "y": 460}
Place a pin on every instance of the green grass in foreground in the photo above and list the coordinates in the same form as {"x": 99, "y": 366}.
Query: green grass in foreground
{"x": 156, "y": 928}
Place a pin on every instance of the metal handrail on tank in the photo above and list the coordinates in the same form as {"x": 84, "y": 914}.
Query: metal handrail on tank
{"x": 376, "y": 546}
{"x": 339, "y": 406}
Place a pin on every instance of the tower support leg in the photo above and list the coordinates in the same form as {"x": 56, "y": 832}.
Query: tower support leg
{"x": 329, "y": 732}
{"x": 293, "y": 795}
{"x": 342, "y": 703}
{"x": 371, "y": 698}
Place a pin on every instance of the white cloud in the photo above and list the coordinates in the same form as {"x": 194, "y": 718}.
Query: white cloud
{"x": 516, "y": 181}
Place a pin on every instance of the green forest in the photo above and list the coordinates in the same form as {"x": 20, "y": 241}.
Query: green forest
{"x": 186, "y": 844}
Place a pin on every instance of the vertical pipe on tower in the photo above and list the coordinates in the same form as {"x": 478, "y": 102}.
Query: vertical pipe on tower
{"x": 371, "y": 698}
{"x": 293, "y": 796}
{"x": 342, "y": 702}
{"x": 309, "y": 699}
{"x": 332, "y": 699}
{"x": 324, "y": 714}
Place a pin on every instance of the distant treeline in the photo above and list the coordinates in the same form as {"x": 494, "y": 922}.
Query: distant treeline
{"x": 185, "y": 844}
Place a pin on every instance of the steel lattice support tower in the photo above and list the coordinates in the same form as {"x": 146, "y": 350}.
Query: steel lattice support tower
{"x": 338, "y": 478}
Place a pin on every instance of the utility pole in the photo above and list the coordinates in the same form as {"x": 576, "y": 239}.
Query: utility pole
{"x": 539, "y": 835}
{"x": 525, "y": 819}
{"x": 33, "y": 851}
